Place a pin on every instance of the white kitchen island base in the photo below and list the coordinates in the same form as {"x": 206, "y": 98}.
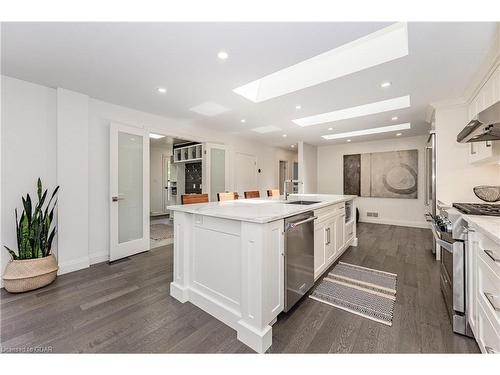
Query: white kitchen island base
{"x": 231, "y": 267}
{"x": 233, "y": 270}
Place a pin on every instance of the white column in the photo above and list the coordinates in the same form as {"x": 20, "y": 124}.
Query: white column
{"x": 73, "y": 179}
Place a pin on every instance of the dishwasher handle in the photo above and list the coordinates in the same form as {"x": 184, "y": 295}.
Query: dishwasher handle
{"x": 297, "y": 223}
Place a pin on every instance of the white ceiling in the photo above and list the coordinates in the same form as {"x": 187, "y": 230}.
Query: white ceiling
{"x": 125, "y": 63}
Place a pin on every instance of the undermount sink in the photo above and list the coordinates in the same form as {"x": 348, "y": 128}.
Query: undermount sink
{"x": 304, "y": 203}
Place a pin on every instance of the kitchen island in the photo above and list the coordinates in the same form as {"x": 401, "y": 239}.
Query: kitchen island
{"x": 229, "y": 257}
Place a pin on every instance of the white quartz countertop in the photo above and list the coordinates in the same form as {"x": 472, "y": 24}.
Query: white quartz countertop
{"x": 489, "y": 225}
{"x": 261, "y": 210}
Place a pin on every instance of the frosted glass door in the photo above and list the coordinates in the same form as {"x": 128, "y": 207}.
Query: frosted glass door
{"x": 217, "y": 170}
{"x": 129, "y": 187}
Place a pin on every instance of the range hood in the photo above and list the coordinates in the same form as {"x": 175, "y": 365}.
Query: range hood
{"x": 484, "y": 127}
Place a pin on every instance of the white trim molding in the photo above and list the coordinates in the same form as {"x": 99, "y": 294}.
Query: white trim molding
{"x": 401, "y": 223}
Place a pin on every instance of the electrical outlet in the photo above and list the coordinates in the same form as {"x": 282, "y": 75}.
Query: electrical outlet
{"x": 372, "y": 214}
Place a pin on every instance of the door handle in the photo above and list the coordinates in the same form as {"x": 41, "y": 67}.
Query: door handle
{"x": 491, "y": 254}
{"x": 296, "y": 224}
{"x": 327, "y": 236}
{"x": 116, "y": 199}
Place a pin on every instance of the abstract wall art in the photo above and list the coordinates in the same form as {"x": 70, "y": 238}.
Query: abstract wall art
{"x": 392, "y": 174}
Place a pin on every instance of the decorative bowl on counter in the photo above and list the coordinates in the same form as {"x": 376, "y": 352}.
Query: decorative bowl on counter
{"x": 487, "y": 193}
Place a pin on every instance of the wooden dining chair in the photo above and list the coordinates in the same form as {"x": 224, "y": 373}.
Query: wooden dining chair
{"x": 221, "y": 197}
{"x": 194, "y": 198}
{"x": 252, "y": 194}
{"x": 273, "y": 193}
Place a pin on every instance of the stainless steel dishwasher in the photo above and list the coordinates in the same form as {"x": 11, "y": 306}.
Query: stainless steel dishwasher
{"x": 299, "y": 257}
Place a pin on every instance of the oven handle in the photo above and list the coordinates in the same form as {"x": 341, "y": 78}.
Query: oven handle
{"x": 448, "y": 246}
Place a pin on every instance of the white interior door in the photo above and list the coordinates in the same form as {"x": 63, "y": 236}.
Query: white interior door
{"x": 246, "y": 173}
{"x": 216, "y": 178}
{"x": 129, "y": 188}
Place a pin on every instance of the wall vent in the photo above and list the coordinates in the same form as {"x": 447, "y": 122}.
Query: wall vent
{"x": 372, "y": 214}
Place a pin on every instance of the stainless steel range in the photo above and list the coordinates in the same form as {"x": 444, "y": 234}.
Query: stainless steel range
{"x": 450, "y": 233}
{"x": 488, "y": 209}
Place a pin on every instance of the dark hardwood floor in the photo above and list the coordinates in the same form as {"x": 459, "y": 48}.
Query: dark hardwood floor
{"x": 126, "y": 307}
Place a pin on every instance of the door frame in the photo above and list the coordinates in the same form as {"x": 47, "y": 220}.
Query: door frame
{"x": 287, "y": 173}
{"x": 164, "y": 199}
{"x": 117, "y": 250}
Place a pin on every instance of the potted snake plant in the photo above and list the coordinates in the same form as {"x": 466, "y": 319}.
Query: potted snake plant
{"x": 33, "y": 266}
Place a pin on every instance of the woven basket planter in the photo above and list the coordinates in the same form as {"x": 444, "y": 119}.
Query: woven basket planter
{"x": 28, "y": 274}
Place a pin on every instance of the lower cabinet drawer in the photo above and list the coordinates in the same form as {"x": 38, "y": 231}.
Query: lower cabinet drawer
{"x": 488, "y": 337}
{"x": 489, "y": 251}
{"x": 349, "y": 231}
{"x": 489, "y": 291}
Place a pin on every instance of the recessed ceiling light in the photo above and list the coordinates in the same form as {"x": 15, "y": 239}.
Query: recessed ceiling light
{"x": 284, "y": 136}
{"x": 356, "y": 133}
{"x": 266, "y": 129}
{"x": 348, "y": 140}
{"x": 330, "y": 129}
{"x": 222, "y": 55}
{"x": 385, "y": 84}
{"x": 298, "y": 107}
{"x": 156, "y": 136}
{"x": 243, "y": 120}
{"x": 384, "y": 45}
{"x": 162, "y": 90}
{"x": 399, "y": 134}
{"x": 395, "y": 118}
{"x": 353, "y": 112}
{"x": 292, "y": 146}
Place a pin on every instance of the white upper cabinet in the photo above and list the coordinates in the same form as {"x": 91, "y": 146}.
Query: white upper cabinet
{"x": 485, "y": 152}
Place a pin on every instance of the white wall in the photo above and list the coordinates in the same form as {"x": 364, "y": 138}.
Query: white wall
{"x": 308, "y": 162}
{"x": 455, "y": 175}
{"x": 28, "y": 137}
{"x": 407, "y": 212}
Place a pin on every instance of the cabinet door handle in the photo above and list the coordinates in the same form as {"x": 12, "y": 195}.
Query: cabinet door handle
{"x": 490, "y": 350}
{"x": 472, "y": 152}
{"x": 491, "y": 299}
{"x": 327, "y": 236}
{"x": 491, "y": 254}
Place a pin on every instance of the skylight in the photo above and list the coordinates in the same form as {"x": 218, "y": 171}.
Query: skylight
{"x": 353, "y": 112}
{"x": 383, "y": 129}
{"x": 384, "y": 45}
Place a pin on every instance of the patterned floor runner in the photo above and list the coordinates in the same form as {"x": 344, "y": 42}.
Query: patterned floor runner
{"x": 363, "y": 291}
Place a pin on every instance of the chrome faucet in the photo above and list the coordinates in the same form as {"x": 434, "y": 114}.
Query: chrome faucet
{"x": 291, "y": 182}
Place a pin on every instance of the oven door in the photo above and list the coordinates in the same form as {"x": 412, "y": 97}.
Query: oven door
{"x": 453, "y": 275}
{"x": 452, "y": 270}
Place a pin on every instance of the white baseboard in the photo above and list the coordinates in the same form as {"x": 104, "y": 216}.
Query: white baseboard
{"x": 402, "y": 223}
{"x": 74, "y": 265}
{"x": 99, "y": 257}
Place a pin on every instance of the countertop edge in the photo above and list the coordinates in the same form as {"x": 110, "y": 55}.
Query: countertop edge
{"x": 303, "y": 209}
{"x": 471, "y": 219}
